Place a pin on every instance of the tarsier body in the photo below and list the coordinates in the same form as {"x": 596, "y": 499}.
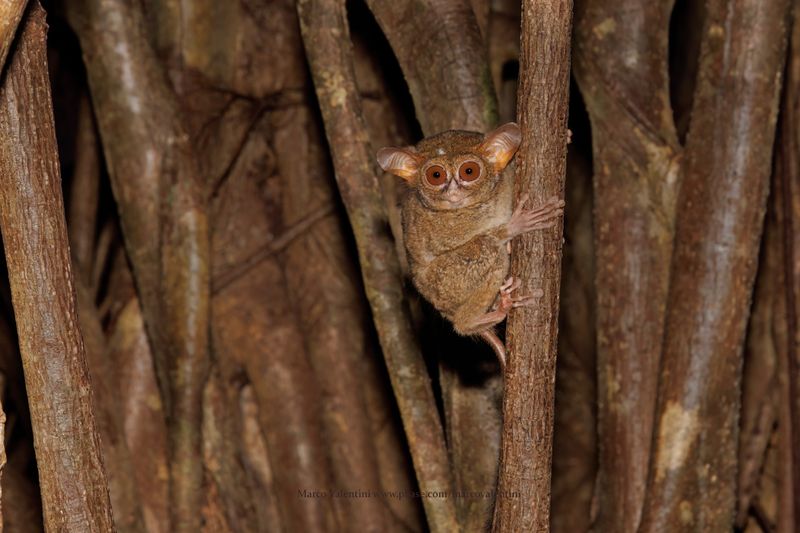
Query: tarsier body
{"x": 458, "y": 221}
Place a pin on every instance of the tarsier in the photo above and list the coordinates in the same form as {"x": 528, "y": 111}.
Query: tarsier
{"x": 458, "y": 222}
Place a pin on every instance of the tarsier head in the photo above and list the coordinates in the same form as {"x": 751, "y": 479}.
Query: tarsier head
{"x": 454, "y": 169}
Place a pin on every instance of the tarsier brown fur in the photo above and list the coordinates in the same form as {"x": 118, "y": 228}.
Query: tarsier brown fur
{"x": 458, "y": 221}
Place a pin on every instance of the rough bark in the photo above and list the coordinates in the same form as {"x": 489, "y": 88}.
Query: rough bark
{"x": 523, "y": 495}
{"x": 721, "y": 206}
{"x": 325, "y": 32}
{"x": 226, "y": 484}
{"x": 10, "y": 15}
{"x": 71, "y": 473}
{"x": 256, "y": 458}
{"x": 635, "y": 183}
{"x": 161, "y": 201}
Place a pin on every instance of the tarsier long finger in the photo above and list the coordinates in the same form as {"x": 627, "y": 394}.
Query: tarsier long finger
{"x": 458, "y": 222}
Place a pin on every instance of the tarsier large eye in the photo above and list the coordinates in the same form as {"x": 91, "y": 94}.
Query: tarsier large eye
{"x": 436, "y": 175}
{"x": 469, "y": 171}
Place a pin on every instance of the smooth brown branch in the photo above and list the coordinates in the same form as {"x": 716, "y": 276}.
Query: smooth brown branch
{"x": 84, "y": 193}
{"x": 636, "y": 170}
{"x": 787, "y": 195}
{"x": 439, "y": 47}
{"x": 523, "y": 495}
{"x": 162, "y": 204}
{"x": 692, "y": 475}
{"x": 326, "y": 37}
{"x": 73, "y": 481}
{"x": 760, "y": 377}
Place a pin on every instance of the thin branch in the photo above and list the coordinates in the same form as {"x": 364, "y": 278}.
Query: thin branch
{"x": 325, "y": 32}
{"x": 787, "y": 194}
{"x": 270, "y": 248}
{"x": 73, "y": 481}
{"x": 523, "y": 495}
{"x": 84, "y": 192}
{"x": 2, "y": 442}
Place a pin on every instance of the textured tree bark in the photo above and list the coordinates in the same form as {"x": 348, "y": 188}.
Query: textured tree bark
{"x": 10, "y": 15}
{"x": 721, "y": 206}
{"x": 636, "y": 169}
{"x": 523, "y": 495}
{"x": 161, "y": 199}
{"x": 71, "y": 473}
{"x": 145, "y": 429}
{"x": 323, "y": 24}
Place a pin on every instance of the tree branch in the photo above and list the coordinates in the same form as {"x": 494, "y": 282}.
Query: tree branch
{"x": 162, "y": 204}
{"x": 636, "y": 168}
{"x": 788, "y": 206}
{"x": 523, "y": 495}
{"x": 438, "y": 45}
{"x": 692, "y": 477}
{"x": 325, "y": 32}
{"x": 71, "y": 474}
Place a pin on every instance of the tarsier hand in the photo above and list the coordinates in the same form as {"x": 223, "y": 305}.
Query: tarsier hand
{"x": 527, "y": 220}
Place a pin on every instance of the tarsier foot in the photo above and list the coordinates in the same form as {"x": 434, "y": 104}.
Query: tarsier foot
{"x": 506, "y": 300}
{"x": 527, "y": 220}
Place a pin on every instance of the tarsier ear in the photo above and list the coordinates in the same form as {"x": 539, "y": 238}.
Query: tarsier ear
{"x": 500, "y": 145}
{"x": 401, "y": 162}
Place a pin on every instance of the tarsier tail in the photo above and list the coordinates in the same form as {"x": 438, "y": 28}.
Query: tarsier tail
{"x": 494, "y": 341}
